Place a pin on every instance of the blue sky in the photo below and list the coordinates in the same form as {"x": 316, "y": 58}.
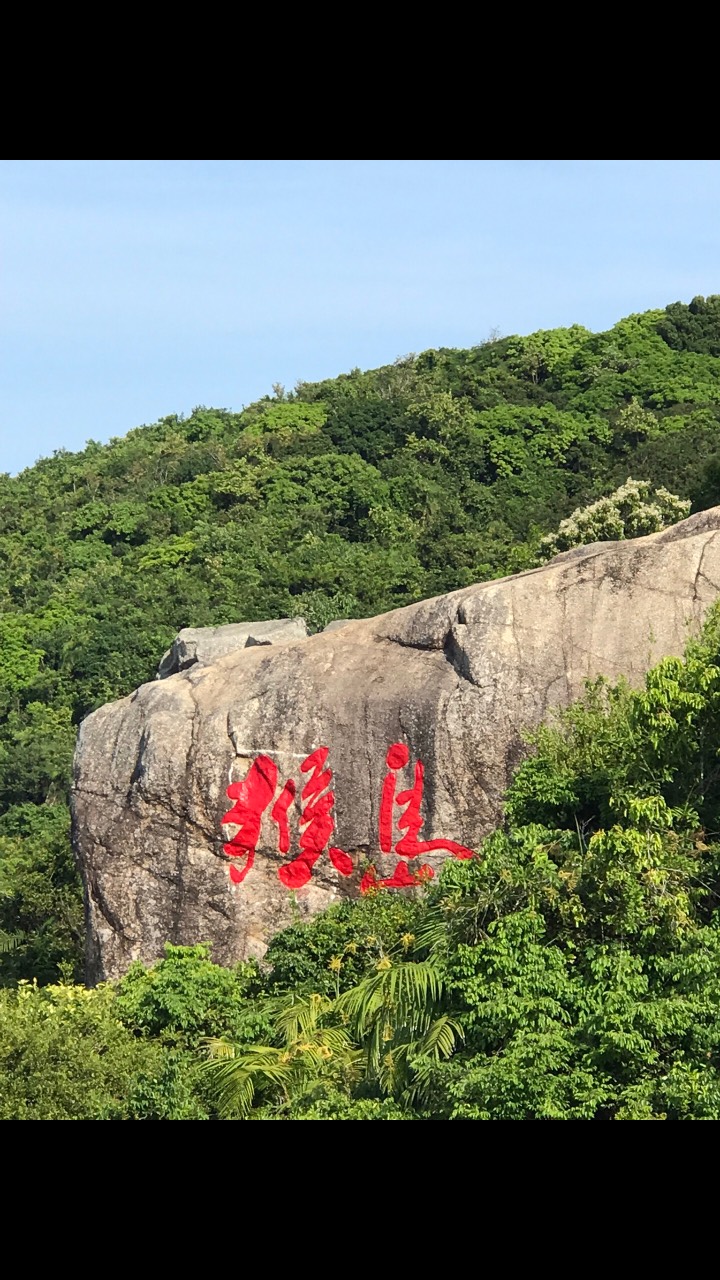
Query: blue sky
{"x": 130, "y": 289}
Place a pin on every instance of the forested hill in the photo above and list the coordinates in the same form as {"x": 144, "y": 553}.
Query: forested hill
{"x": 341, "y": 499}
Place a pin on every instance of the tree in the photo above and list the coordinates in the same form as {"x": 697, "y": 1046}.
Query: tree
{"x": 64, "y": 1055}
{"x": 312, "y": 1050}
{"x": 629, "y": 512}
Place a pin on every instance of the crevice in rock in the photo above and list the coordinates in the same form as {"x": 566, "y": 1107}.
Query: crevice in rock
{"x": 448, "y": 645}
{"x": 99, "y": 901}
{"x": 699, "y": 571}
{"x": 429, "y": 647}
{"x": 457, "y": 657}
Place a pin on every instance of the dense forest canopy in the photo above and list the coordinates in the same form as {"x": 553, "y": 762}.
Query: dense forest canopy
{"x": 568, "y": 972}
{"x": 339, "y": 499}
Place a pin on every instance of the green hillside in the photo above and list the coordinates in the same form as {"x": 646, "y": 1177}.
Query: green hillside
{"x": 569, "y": 972}
{"x": 340, "y": 499}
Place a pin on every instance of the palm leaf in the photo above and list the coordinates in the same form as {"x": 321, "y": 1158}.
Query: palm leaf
{"x": 432, "y": 934}
{"x": 407, "y": 991}
{"x": 235, "y": 1073}
{"x": 297, "y": 1019}
{"x": 440, "y": 1039}
{"x": 389, "y": 1010}
{"x": 10, "y": 941}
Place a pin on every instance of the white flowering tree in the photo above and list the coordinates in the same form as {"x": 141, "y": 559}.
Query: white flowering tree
{"x": 630, "y": 512}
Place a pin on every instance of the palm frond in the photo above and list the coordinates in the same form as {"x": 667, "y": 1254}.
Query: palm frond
{"x": 235, "y": 1073}
{"x": 432, "y": 935}
{"x": 10, "y": 941}
{"x": 218, "y": 1047}
{"x": 407, "y": 993}
{"x": 296, "y": 1019}
{"x": 233, "y": 1090}
{"x": 440, "y": 1039}
{"x": 310, "y": 1051}
{"x": 390, "y": 1010}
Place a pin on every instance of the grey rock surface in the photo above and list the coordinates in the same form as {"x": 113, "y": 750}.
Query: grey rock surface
{"x": 338, "y": 623}
{"x": 456, "y": 681}
{"x": 199, "y": 646}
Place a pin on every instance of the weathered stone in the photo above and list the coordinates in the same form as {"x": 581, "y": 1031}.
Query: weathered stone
{"x": 458, "y": 679}
{"x": 338, "y": 623}
{"x": 199, "y": 646}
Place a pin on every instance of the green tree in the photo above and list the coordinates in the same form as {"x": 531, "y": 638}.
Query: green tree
{"x": 631, "y": 511}
{"x": 64, "y": 1055}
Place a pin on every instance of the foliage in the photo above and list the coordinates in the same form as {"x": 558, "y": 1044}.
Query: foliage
{"x": 692, "y": 328}
{"x": 313, "y": 1050}
{"x": 570, "y": 971}
{"x": 582, "y": 949}
{"x": 338, "y": 499}
{"x": 64, "y": 1055}
{"x": 631, "y": 511}
{"x": 40, "y": 900}
{"x": 185, "y": 998}
{"x": 336, "y": 950}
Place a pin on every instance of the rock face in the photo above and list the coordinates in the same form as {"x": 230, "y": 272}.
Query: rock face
{"x": 338, "y": 623}
{"x": 199, "y": 646}
{"x": 451, "y": 683}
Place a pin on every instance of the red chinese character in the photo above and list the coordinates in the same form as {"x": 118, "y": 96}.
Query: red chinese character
{"x": 408, "y": 846}
{"x": 252, "y": 797}
{"x": 316, "y": 823}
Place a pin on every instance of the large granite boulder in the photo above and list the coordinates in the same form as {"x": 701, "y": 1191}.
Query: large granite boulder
{"x": 226, "y": 801}
{"x": 199, "y": 646}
